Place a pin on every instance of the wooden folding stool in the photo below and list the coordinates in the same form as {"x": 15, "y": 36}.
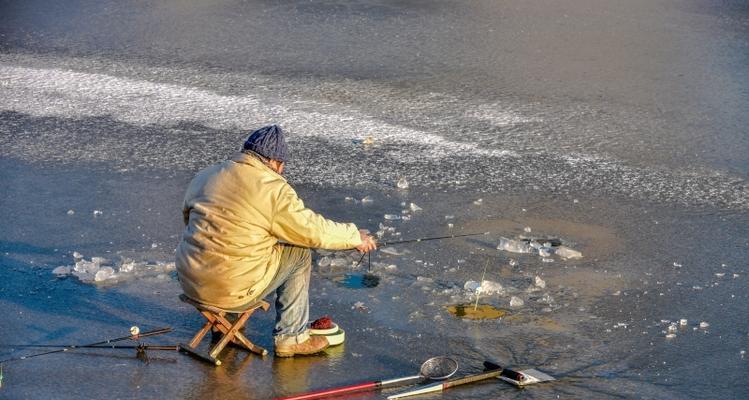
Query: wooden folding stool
{"x": 216, "y": 318}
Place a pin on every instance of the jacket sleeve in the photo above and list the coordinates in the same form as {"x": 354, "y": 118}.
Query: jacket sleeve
{"x": 294, "y": 223}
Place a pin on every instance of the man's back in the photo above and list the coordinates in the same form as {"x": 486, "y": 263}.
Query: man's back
{"x": 227, "y": 252}
{"x": 235, "y": 214}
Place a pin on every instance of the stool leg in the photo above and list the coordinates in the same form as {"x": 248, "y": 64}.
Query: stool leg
{"x": 229, "y": 335}
{"x": 201, "y": 334}
{"x": 242, "y": 339}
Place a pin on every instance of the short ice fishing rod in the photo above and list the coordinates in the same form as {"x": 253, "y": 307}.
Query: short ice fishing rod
{"x": 432, "y": 238}
{"x": 420, "y": 240}
{"x": 134, "y": 336}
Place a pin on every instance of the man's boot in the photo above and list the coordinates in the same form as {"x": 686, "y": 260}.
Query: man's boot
{"x": 313, "y": 345}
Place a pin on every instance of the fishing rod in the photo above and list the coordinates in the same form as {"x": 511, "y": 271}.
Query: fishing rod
{"x": 418, "y": 240}
{"x": 432, "y": 238}
{"x": 137, "y": 335}
{"x": 130, "y": 346}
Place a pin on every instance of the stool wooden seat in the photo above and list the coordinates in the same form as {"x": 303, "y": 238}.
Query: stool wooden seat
{"x": 216, "y": 319}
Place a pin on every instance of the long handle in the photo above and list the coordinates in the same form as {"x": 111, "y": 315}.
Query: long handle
{"x": 360, "y": 387}
{"x": 318, "y": 394}
{"x": 438, "y": 387}
{"x": 119, "y": 339}
{"x": 472, "y": 378}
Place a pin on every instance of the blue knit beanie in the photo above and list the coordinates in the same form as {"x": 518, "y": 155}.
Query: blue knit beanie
{"x": 269, "y": 142}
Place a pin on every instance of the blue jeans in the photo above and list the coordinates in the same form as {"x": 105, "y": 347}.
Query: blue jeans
{"x": 291, "y": 284}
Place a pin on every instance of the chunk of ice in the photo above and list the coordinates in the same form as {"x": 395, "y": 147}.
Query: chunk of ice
{"x": 479, "y": 202}
{"x": 366, "y": 199}
{"x": 545, "y": 252}
{"x": 704, "y": 325}
{"x": 527, "y": 229}
{"x": 77, "y": 255}
{"x": 62, "y": 270}
{"x": 670, "y": 335}
{"x": 84, "y": 266}
{"x": 127, "y": 266}
{"x": 402, "y": 183}
{"x": 339, "y": 262}
{"x": 513, "y": 246}
{"x": 491, "y": 287}
{"x": 516, "y": 301}
{"x": 392, "y": 217}
{"x": 568, "y": 253}
{"x": 683, "y": 322}
{"x": 323, "y": 262}
{"x": 485, "y": 287}
{"x": 71, "y": 212}
{"x": 539, "y": 282}
{"x": 391, "y": 251}
{"x": 97, "y": 213}
{"x": 414, "y": 207}
{"x": 99, "y": 261}
{"x": 103, "y": 274}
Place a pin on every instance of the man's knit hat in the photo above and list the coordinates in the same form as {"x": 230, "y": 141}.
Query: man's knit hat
{"x": 269, "y": 142}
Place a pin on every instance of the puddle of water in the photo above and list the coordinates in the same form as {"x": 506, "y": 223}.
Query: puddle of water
{"x": 357, "y": 281}
{"x": 483, "y": 311}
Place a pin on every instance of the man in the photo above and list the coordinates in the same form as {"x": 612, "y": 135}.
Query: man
{"x": 247, "y": 235}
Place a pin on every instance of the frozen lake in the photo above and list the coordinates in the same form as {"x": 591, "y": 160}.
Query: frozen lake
{"x": 620, "y": 129}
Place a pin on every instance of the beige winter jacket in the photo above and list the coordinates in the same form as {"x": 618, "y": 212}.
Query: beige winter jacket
{"x": 235, "y": 213}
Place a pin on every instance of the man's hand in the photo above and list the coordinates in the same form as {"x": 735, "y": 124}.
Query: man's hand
{"x": 367, "y": 242}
